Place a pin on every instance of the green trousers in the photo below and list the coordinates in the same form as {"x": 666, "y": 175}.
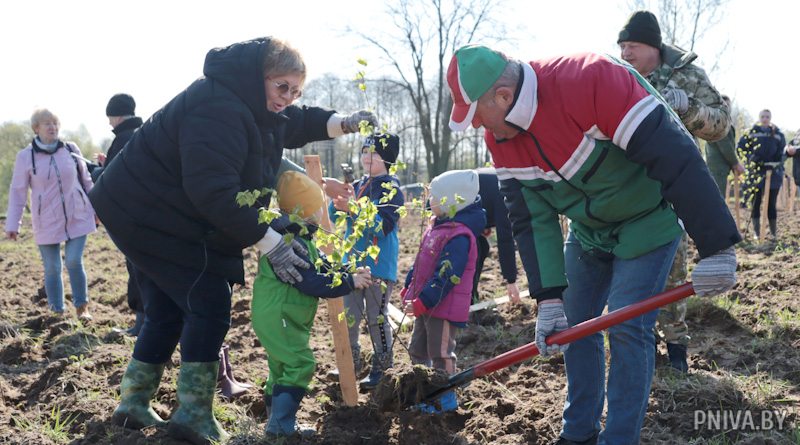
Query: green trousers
{"x": 282, "y": 318}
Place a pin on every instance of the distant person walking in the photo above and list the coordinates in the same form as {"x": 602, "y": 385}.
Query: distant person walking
{"x": 61, "y": 213}
{"x": 791, "y": 150}
{"x": 121, "y": 113}
{"x": 168, "y": 200}
{"x": 763, "y": 145}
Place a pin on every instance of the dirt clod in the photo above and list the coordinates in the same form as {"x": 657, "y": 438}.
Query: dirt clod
{"x": 404, "y": 386}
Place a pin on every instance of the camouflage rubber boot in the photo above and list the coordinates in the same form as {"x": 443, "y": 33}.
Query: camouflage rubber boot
{"x": 194, "y": 420}
{"x": 139, "y": 385}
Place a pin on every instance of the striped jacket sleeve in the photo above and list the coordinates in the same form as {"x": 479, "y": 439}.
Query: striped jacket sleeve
{"x": 653, "y": 136}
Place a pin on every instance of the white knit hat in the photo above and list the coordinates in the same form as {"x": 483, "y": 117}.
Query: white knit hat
{"x": 458, "y": 188}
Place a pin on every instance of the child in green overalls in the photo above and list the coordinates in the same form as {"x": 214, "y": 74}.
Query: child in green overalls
{"x": 282, "y": 313}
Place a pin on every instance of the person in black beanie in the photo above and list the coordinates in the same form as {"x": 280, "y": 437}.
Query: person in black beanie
{"x": 685, "y": 87}
{"x": 121, "y": 113}
{"x": 378, "y": 153}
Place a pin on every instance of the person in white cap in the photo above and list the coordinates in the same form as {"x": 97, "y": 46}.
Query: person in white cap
{"x": 587, "y": 137}
{"x": 438, "y": 288}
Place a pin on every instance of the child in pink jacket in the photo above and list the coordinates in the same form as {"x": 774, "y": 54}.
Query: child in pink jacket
{"x": 60, "y": 209}
{"x": 438, "y": 288}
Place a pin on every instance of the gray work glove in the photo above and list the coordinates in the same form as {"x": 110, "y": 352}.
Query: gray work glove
{"x": 285, "y": 261}
{"x": 677, "y": 99}
{"x": 551, "y": 319}
{"x": 350, "y": 124}
{"x": 715, "y": 274}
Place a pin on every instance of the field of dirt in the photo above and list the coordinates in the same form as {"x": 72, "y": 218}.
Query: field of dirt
{"x": 59, "y": 378}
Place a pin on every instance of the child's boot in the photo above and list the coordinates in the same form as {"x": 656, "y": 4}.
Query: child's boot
{"x": 379, "y": 363}
{"x": 139, "y": 385}
{"x": 194, "y": 420}
{"x": 283, "y": 415}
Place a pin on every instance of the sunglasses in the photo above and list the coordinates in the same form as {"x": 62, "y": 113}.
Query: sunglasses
{"x": 284, "y": 88}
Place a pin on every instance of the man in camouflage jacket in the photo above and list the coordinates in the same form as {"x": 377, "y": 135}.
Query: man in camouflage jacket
{"x": 687, "y": 89}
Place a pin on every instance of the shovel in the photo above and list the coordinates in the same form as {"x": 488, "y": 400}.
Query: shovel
{"x": 576, "y": 332}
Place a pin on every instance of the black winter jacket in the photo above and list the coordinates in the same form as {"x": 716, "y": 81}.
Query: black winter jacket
{"x": 497, "y": 217}
{"x": 171, "y": 193}
{"x": 122, "y": 134}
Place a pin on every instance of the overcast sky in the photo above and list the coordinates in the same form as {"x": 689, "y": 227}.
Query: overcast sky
{"x": 71, "y": 56}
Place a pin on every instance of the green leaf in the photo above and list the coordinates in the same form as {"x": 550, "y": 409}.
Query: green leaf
{"x": 451, "y": 212}
{"x": 383, "y": 286}
{"x": 373, "y": 252}
{"x": 455, "y": 279}
{"x": 340, "y": 316}
{"x": 402, "y": 211}
{"x": 446, "y": 265}
{"x": 361, "y": 61}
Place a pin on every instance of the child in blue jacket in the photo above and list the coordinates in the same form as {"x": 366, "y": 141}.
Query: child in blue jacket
{"x": 378, "y": 153}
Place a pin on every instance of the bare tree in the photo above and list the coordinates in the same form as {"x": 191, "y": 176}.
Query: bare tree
{"x": 425, "y": 36}
{"x": 685, "y": 22}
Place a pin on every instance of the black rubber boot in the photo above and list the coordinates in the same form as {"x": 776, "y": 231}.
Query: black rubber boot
{"x": 677, "y": 357}
{"x": 773, "y": 227}
{"x": 757, "y": 227}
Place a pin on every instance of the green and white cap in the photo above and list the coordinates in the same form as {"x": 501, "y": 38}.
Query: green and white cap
{"x": 472, "y": 71}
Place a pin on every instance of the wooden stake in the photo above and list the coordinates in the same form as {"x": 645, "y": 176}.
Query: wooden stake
{"x": 792, "y": 196}
{"x": 341, "y": 340}
{"x": 728, "y": 185}
{"x": 765, "y": 205}
{"x": 736, "y": 205}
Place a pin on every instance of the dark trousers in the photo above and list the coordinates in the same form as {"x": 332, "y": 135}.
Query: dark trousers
{"x": 772, "y": 200}
{"x": 483, "y": 252}
{"x": 181, "y": 305}
{"x": 134, "y": 295}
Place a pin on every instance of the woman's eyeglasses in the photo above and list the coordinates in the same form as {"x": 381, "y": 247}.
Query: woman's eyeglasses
{"x": 284, "y": 87}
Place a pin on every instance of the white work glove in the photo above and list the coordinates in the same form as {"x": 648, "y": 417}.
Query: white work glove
{"x": 677, "y": 99}
{"x": 350, "y": 124}
{"x": 551, "y": 319}
{"x": 715, "y": 274}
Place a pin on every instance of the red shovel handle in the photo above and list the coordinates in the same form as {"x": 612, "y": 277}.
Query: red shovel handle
{"x": 585, "y": 329}
{"x": 576, "y": 332}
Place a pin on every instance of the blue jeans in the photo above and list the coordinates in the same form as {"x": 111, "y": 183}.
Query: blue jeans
{"x": 53, "y": 284}
{"x": 593, "y": 283}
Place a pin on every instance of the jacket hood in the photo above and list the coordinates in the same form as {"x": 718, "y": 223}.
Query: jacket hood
{"x": 676, "y": 57}
{"x": 238, "y": 67}
{"x": 472, "y": 216}
{"x": 128, "y": 124}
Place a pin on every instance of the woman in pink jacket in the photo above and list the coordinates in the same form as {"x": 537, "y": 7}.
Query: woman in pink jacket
{"x": 60, "y": 208}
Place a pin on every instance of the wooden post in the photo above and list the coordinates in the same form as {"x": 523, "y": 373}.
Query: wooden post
{"x": 765, "y": 205}
{"x": 736, "y": 204}
{"x": 792, "y": 196}
{"x": 780, "y": 202}
{"x": 727, "y": 195}
{"x": 341, "y": 340}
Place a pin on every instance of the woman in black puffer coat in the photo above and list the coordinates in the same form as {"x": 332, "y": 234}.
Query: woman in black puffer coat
{"x": 168, "y": 202}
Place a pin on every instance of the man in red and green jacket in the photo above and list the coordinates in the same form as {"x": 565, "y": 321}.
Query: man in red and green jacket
{"x": 585, "y": 136}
